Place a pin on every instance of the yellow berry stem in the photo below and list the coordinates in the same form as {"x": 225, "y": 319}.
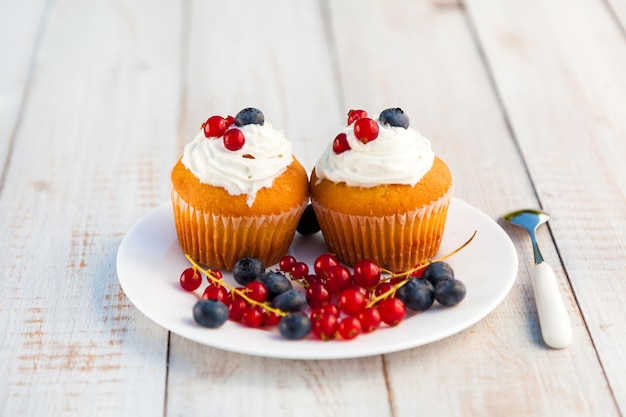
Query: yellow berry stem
{"x": 214, "y": 279}
{"x": 407, "y": 274}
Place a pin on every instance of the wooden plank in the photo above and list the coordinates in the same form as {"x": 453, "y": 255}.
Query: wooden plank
{"x": 20, "y": 24}
{"x": 285, "y": 70}
{"x": 566, "y": 100}
{"x": 426, "y": 63}
{"x": 98, "y": 128}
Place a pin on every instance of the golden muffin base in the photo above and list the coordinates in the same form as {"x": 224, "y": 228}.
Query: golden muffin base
{"x": 217, "y": 229}
{"x": 396, "y": 226}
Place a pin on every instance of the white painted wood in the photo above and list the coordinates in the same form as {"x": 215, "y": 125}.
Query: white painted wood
{"x": 117, "y": 88}
{"x": 431, "y": 68}
{"x": 97, "y": 133}
{"x": 20, "y": 23}
{"x": 559, "y": 67}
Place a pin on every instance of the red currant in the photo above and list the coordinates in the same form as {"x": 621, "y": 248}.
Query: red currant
{"x": 382, "y": 288}
{"x": 324, "y": 326}
{"x": 370, "y": 319}
{"x": 286, "y": 263}
{"x": 418, "y": 272}
{"x": 366, "y": 129}
{"x": 349, "y": 328}
{"x": 230, "y": 120}
{"x": 317, "y": 295}
{"x": 190, "y": 279}
{"x": 270, "y": 318}
{"x": 351, "y": 301}
{"x": 299, "y": 270}
{"x": 354, "y": 115}
{"x": 391, "y": 311}
{"x": 338, "y": 278}
{"x": 366, "y": 273}
{"x": 340, "y": 144}
{"x": 324, "y": 262}
{"x": 214, "y": 275}
{"x": 257, "y": 291}
{"x": 252, "y": 316}
{"x": 215, "y": 292}
{"x": 215, "y": 126}
{"x": 234, "y": 139}
{"x": 236, "y": 308}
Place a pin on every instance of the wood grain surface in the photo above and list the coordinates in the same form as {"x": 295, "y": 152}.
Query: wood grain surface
{"x": 526, "y": 101}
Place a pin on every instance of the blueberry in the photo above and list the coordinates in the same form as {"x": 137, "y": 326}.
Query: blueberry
{"x": 290, "y": 301}
{"x": 249, "y": 116}
{"x": 294, "y": 326}
{"x": 450, "y": 292}
{"x": 210, "y": 313}
{"x": 247, "y": 269}
{"x": 438, "y": 271}
{"x": 394, "y": 117}
{"x": 275, "y": 282}
{"x": 308, "y": 224}
{"x": 417, "y": 294}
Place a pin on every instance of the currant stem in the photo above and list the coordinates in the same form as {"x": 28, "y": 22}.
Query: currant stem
{"x": 215, "y": 280}
{"x": 406, "y": 274}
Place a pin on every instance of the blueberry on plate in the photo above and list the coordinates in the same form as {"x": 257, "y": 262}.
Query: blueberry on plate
{"x": 417, "y": 294}
{"x": 247, "y": 269}
{"x": 210, "y": 313}
{"x": 450, "y": 292}
{"x": 249, "y": 116}
{"x": 394, "y": 117}
{"x": 308, "y": 224}
{"x": 275, "y": 282}
{"x": 438, "y": 271}
{"x": 294, "y": 326}
{"x": 290, "y": 301}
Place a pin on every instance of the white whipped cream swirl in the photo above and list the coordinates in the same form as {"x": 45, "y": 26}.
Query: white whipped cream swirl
{"x": 396, "y": 156}
{"x": 265, "y": 155}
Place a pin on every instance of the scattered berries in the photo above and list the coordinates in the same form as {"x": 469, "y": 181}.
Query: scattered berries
{"x": 331, "y": 302}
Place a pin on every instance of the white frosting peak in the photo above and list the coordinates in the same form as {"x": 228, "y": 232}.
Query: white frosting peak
{"x": 396, "y": 156}
{"x": 265, "y": 155}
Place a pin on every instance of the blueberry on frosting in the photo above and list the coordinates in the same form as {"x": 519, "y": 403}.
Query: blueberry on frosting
{"x": 394, "y": 117}
{"x": 249, "y": 116}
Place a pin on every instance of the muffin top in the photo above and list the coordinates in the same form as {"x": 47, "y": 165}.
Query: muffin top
{"x": 373, "y": 151}
{"x": 242, "y": 155}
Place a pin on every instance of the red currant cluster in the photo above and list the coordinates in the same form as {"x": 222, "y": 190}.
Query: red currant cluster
{"x": 221, "y": 127}
{"x": 365, "y": 130}
{"x": 331, "y": 302}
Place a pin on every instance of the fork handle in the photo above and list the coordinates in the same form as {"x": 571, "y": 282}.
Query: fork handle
{"x": 556, "y": 329}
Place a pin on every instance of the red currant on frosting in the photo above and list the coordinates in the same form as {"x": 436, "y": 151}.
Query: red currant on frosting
{"x": 366, "y": 129}
{"x": 354, "y": 115}
{"x": 215, "y": 126}
{"x": 234, "y": 139}
{"x": 340, "y": 144}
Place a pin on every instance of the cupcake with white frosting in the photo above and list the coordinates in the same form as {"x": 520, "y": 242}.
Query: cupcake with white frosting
{"x": 379, "y": 192}
{"x": 237, "y": 191}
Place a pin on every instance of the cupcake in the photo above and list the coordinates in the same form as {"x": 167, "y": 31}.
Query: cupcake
{"x": 237, "y": 191}
{"x": 379, "y": 192}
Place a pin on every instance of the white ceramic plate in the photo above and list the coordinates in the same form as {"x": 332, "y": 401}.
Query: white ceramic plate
{"x": 149, "y": 264}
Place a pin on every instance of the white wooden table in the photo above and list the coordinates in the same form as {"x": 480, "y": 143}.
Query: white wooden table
{"x": 526, "y": 101}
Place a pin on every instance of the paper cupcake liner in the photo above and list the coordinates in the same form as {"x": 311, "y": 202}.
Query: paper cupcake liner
{"x": 220, "y": 241}
{"x": 396, "y": 242}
